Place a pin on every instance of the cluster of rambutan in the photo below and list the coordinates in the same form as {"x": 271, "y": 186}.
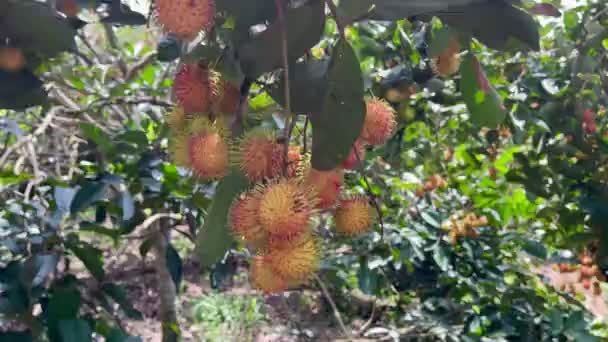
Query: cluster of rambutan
{"x": 589, "y": 278}
{"x": 466, "y": 226}
{"x": 200, "y": 136}
{"x": 275, "y": 217}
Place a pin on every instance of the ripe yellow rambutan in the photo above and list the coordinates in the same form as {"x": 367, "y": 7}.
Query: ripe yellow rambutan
{"x": 379, "y": 123}
{"x": 354, "y": 216}
{"x": 447, "y": 63}
{"x": 259, "y": 155}
{"x": 243, "y": 217}
{"x": 11, "y": 59}
{"x": 185, "y": 18}
{"x": 195, "y": 87}
{"x": 203, "y": 148}
{"x": 286, "y": 208}
{"x": 177, "y": 119}
{"x": 355, "y": 157}
{"x": 263, "y": 277}
{"x": 327, "y": 186}
{"x": 297, "y": 263}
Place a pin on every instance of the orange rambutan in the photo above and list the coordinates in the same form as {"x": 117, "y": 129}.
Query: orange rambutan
{"x": 447, "y": 62}
{"x": 286, "y": 208}
{"x": 327, "y": 186}
{"x": 259, "y": 155}
{"x": 356, "y": 155}
{"x": 379, "y": 123}
{"x": 297, "y": 263}
{"x": 11, "y": 59}
{"x": 264, "y": 277}
{"x": 354, "y": 216}
{"x": 243, "y": 217}
{"x": 195, "y": 87}
{"x": 203, "y": 148}
{"x": 185, "y": 18}
{"x": 295, "y": 162}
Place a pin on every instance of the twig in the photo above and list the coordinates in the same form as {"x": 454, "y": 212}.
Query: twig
{"x": 289, "y": 120}
{"x": 23, "y": 140}
{"x": 333, "y": 306}
{"x": 113, "y": 40}
{"x": 304, "y": 137}
{"x": 137, "y": 67}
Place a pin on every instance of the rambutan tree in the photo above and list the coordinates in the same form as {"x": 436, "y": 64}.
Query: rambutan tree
{"x": 413, "y": 155}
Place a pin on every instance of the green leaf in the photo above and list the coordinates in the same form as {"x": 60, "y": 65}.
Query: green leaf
{"x": 95, "y": 134}
{"x": 336, "y": 128}
{"x": 535, "y": 248}
{"x": 263, "y": 53}
{"x": 441, "y": 257}
{"x": 87, "y": 195}
{"x": 308, "y": 87}
{"x": 117, "y": 293}
{"x": 214, "y": 238}
{"x": 497, "y": 24}
{"x": 440, "y": 41}
{"x": 20, "y": 90}
{"x": 91, "y": 257}
{"x": 9, "y": 178}
{"x": 75, "y": 330}
{"x": 175, "y": 265}
{"x": 117, "y": 335}
{"x": 37, "y": 26}
{"x": 481, "y": 98}
{"x": 15, "y": 337}
{"x": 367, "y": 278}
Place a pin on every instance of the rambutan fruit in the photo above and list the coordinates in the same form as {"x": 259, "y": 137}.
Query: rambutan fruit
{"x": 243, "y": 217}
{"x": 68, "y": 7}
{"x": 297, "y": 263}
{"x": 354, "y": 216}
{"x": 185, "y": 18}
{"x": 228, "y": 100}
{"x": 203, "y": 148}
{"x": 327, "y": 186}
{"x": 295, "y": 162}
{"x": 177, "y": 119}
{"x": 586, "y": 260}
{"x": 379, "y": 123}
{"x": 11, "y": 59}
{"x": 264, "y": 277}
{"x": 286, "y": 208}
{"x": 195, "y": 87}
{"x": 259, "y": 155}
{"x": 586, "y": 284}
{"x": 447, "y": 62}
{"x": 355, "y": 157}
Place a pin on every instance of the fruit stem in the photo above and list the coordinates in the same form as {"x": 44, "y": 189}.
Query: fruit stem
{"x": 290, "y": 121}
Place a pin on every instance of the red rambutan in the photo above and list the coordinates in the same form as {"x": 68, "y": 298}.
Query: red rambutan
{"x": 185, "y": 18}
{"x": 194, "y": 88}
